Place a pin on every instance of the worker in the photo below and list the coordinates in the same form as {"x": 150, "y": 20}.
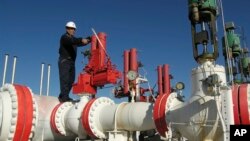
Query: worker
{"x": 67, "y": 57}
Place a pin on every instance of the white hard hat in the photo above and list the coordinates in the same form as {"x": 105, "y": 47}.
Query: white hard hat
{"x": 71, "y": 24}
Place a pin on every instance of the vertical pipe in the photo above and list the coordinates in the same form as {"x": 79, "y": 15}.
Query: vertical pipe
{"x": 92, "y": 55}
{"x": 41, "y": 81}
{"x": 48, "y": 80}
{"x": 5, "y": 68}
{"x": 102, "y": 49}
{"x": 13, "y": 70}
{"x": 125, "y": 72}
{"x": 133, "y": 64}
{"x": 203, "y": 27}
{"x": 93, "y": 43}
{"x": 159, "y": 70}
{"x": 166, "y": 79}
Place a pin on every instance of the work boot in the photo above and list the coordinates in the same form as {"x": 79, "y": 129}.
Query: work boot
{"x": 65, "y": 99}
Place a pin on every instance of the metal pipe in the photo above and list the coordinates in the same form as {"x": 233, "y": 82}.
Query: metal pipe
{"x": 41, "y": 81}
{"x": 201, "y": 106}
{"x": 43, "y": 129}
{"x": 136, "y": 117}
{"x": 48, "y": 80}
{"x": 159, "y": 70}
{"x": 126, "y": 69}
{"x": 5, "y": 68}
{"x": 203, "y": 27}
{"x": 166, "y": 79}
{"x": 93, "y": 43}
{"x": 133, "y": 64}
{"x": 129, "y": 116}
{"x": 102, "y": 48}
{"x": 13, "y": 70}
{"x": 71, "y": 119}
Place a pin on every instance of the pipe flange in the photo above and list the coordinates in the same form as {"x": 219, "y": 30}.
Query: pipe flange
{"x": 235, "y": 97}
{"x": 170, "y": 100}
{"x": 30, "y": 111}
{"x": 23, "y": 112}
{"x": 14, "y": 108}
{"x": 244, "y": 104}
{"x": 35, "y": 116}
{"x": 90, "y": 116}
{"x": 52, "y": 118}
{"x": 248, "y": 99}
{"x": 59, "y": 117}
{"x": 159, "y": 115}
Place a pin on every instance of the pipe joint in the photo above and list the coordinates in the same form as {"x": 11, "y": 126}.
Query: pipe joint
{"x": 58, "y": 115}
{"x": 91, "y": 114}
{"x": 21, "y": 114}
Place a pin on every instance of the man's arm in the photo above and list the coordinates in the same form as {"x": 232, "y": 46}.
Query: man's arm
{"x": 86, "y": 41}
{"x": 69, "y": 41}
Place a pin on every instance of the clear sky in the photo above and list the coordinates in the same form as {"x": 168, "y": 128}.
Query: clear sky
{"x": 159, "y": 29}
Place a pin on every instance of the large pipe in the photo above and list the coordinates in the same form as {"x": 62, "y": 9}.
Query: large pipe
{"x": 64, "y": 119}
{"x": 48, "y": 80}
{"x": 195, "y": 125}
{"x": 13, "y": 70}
{"x": 159, "y": 70}
{"x": 206, "y": 117}
{"x": 98, "y": 116}
{"x": 125, "y": 72}
{"x": 105, "y": 116}
{"x": 25, "y": 116}
{"x": 208, "y": 113}
{"x": 127, "y": 116}
{"x": 5, "y": 68}
{"x": 41, "y": 79}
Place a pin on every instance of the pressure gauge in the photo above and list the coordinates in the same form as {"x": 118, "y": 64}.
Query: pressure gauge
{"x": 180, "y": 86}
{"x": 132, "y": 75}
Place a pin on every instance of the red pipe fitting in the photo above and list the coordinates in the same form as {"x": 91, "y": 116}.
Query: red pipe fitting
{"x": 166, "y": 80}
{"x": 160, "y": 89}
{"x": 125, "y": 72}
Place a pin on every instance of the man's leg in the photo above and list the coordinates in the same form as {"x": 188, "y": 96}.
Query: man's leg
{"x": 65, "y": 80}
{"x": 71, "y": 74}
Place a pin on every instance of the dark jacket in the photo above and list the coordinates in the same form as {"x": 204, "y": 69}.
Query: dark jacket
{"x": 68, "y": 46}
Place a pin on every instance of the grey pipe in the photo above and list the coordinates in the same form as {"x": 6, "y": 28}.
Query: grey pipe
{"x": 41, "y": 80}
{"x": 13, "y": 70}
{"x": 5, "y": 68}
{"x": 48, "y": 80}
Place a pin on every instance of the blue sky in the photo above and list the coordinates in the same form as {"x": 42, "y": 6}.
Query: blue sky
{"x": 159, "y": 29}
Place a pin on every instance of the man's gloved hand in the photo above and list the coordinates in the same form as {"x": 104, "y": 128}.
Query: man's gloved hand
{"x": 88, "y": 38}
